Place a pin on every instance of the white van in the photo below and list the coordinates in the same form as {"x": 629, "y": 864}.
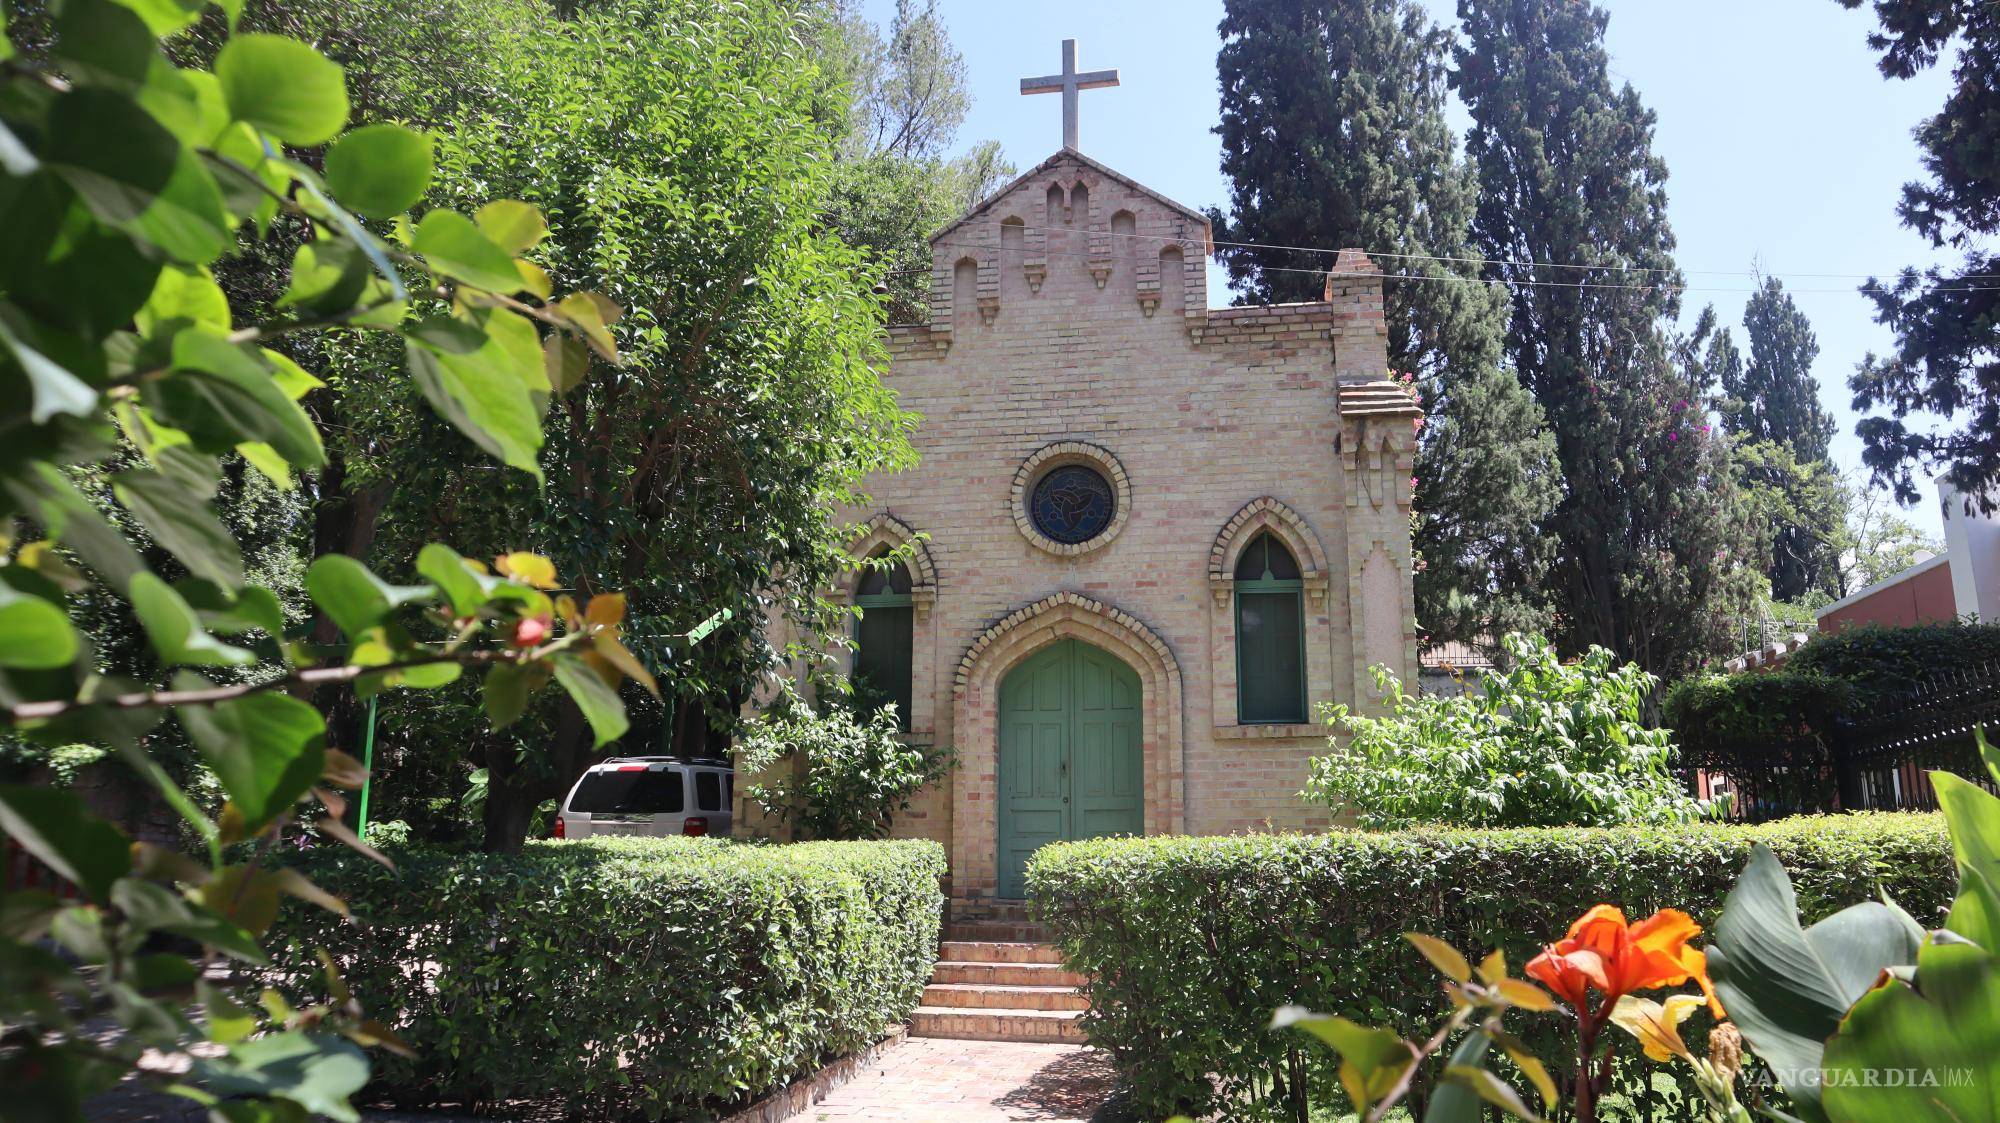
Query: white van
{"x": 649, "y": 795}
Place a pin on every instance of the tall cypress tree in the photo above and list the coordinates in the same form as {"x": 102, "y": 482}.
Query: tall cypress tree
{"x": 1947, "y": 320}
{"x": 1770, "y": 407}
{"x": 1649, "y": 532}
{"x": 1334, "y": 134}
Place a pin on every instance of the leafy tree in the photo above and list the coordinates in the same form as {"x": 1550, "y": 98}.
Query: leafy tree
{"x": 1780, "y": 433}
{"x": 1947, "y": 321}
{"x": 676, "y": 147}
{"x": 127, "y": 179}
{"x": 896, "y": 104}
{"x": 1334, "y": 134}
{"x": 1878, "y": 542}
{"x": 1538, "y": 744}
{"x": 1651, "y": 545}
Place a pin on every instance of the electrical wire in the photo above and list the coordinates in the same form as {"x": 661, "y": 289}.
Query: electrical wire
{"x": 1480, "y": 261}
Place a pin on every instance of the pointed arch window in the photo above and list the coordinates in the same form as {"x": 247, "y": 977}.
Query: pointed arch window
{"x": 883, "y": 634}
{"x": 1270, "y": 634}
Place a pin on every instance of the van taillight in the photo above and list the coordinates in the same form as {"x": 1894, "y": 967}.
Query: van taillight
{"x": 695, "y": 825}
{"x": 560, "y": 831}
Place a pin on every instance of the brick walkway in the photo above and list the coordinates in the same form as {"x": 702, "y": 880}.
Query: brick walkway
{"x": 938, "y": 1080}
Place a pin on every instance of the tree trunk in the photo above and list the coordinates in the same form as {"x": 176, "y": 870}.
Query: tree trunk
{"x": 513, "y": 791}
{"x": 343, "y": 523}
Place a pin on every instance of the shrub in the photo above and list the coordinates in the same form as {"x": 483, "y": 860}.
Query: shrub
{"x": 663, "y": 977}
{"x": 837, "y": 775}
{"x": 1884, "y": 663}
{"x": 1708, "y": 712}
{"x": 1542, "y": 743}
{"x": 1193, "y": 942}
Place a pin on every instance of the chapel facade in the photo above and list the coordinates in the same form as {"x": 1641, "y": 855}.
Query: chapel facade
{"x": 1146, "y": 538}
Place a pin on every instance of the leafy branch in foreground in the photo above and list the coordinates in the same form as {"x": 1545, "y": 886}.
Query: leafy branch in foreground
{"x": 124, "y": 179}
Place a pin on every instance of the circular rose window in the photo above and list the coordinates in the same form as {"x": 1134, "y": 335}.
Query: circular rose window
{"x": 1071, "y": 498}
{"x": 1073, "y": 504}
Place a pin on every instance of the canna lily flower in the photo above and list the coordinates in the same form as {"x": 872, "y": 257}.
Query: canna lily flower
{"x": 1657, "y": 1025}
{"x": 1604, "y": 953}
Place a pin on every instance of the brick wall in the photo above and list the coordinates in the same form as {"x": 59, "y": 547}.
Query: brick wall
{"x": 1222, "y": 423}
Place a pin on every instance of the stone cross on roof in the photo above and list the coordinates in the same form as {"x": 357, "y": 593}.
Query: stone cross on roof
{"x": 1069, "y": 82}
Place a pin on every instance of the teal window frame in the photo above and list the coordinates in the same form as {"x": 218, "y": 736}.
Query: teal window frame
{"x": 866, "y": 601}
{"x": 1268, "y": 585}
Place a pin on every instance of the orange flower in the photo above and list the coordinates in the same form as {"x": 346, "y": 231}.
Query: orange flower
{"x": 1604, "y": 953}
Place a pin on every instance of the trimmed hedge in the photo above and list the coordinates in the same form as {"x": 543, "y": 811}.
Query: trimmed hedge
{"x": 1193, "y": 942}
{"x": 1885, "y": 663}
{"x": 657, "y": 977}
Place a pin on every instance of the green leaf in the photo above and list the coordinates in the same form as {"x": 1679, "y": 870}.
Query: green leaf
{"x": 1372, "y": 1059}
{"x": 379, "y": 170}
{"x": 1787, "y": 987}
{"x": 189, "y": 296}
{"x": 177, "y": 635}
{"x": 135, "y": 175}
{"x": 456, "y": 248}
{"x": 251, "y": 608}
{"x": 1443, "y": 956}
{"x": 99, "y": 42}
{"x": 1926, "y": 1052}
{"x": 354, "y": 597}
{"x": 223, "y": 395}
{"x": 473, "y": 380}
{"x": 566, "y": 360}
{"x": 189, "y": 103}
{"x": 35, "y": 634}
{"x": 154, "y": 907}
{"x": 70, "y": 518}
{"x": 316, "y": 1071}
{"x": 506, "y": 691}
{"x": 55, "y": 389}
{"x": 55, "y": 826}
{"x": 181, "y": 521}
{"x": 1456, "y": 1101}
{"x": 328, "y": 276}
{"x": 166, "y": 17}
{"x": 599, "y": 702}
{"x": 461, "y": 585}
{"x": 1974, "y": 817}
{"x": 265, "y": 459}
{"x": 283, "y": 87}
{"x": 1490, "y": 1088}
{"x": 514, "y": 226}
{"x": 292, "y": 378}
{"x": 267, "y": 749}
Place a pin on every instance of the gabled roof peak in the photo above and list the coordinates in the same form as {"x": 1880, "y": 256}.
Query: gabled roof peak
{"x": 1072, "y": 157}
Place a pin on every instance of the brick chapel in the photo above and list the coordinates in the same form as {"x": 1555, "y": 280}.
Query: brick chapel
{"x": 1150, "y": 536}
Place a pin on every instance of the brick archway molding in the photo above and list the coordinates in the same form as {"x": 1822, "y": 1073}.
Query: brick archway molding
{"x": 975, "y": 834}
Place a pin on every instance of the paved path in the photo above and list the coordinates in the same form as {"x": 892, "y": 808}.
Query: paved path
{"x": 940, "y": 1080}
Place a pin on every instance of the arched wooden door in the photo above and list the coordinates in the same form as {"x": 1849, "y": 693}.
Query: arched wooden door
{"x": 1070, "y": 762}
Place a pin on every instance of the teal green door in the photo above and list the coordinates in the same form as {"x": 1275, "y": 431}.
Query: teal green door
{"x": 1069, "y": 754}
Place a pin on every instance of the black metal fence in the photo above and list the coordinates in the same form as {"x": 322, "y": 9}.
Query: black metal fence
{"x": 1876, "y": 762}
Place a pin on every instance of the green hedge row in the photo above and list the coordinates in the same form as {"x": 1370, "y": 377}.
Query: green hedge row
{"x": 667, "y": 978}
{"x": 1193, "y": 942}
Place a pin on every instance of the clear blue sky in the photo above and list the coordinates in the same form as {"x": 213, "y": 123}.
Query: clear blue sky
{"x": 1786, "y": 147}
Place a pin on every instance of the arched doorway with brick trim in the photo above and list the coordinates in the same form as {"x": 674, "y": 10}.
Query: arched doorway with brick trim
{"x": 976, "y": 705}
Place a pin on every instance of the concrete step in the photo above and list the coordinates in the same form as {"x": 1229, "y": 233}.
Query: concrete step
{"x": 997, "y": 996}
{"x": 1008, "y": 974}
{"x": 975, "y": 1024}
{"x": 995, "y": 930}
{"x": 997, "y": 951}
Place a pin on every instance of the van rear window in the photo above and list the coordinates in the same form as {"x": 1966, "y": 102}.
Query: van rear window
{"x": 629, "y": 793}
{"x": 707, "y": 791}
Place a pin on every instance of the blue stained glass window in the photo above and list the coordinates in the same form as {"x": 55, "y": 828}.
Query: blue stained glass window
{"x": 1073, "y": 504}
